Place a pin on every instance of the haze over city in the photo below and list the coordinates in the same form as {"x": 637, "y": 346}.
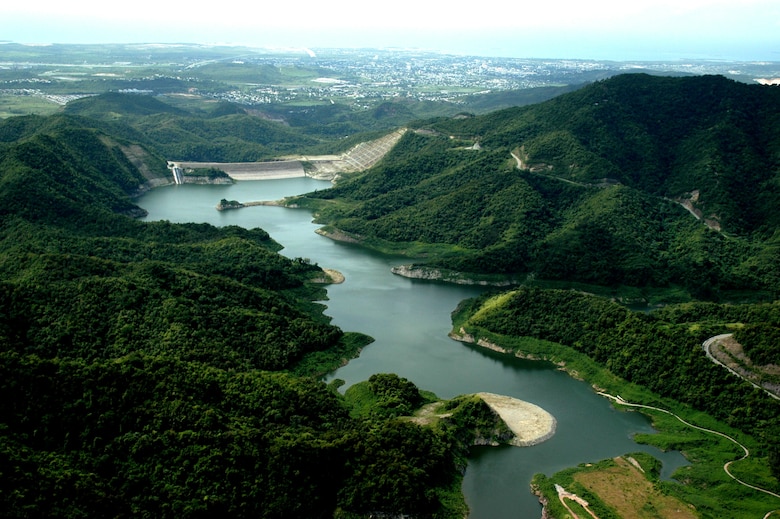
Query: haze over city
{"x": 607, "y": 29}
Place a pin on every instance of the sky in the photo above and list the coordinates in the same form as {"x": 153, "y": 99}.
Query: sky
{"x": 599, "y": 29}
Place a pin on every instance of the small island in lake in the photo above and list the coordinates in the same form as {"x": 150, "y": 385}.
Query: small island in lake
{"x": 229, "y": 204}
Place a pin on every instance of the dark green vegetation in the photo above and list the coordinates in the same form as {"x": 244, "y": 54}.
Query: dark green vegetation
{"x": 761, "y": 342}
{"x": 155, "y": 369}
{"x": 151, "y": 369}
{"x": 385, "y": 395}
{"x": 593, "y": 198}
{"x": 183, "y": 135}
{"x": 659, "y": 361}
{"x": 459, "y": 423}
{"x": 466, "y": 417}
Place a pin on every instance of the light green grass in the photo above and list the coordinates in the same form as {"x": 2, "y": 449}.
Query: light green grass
{"x": 12, "y": 106}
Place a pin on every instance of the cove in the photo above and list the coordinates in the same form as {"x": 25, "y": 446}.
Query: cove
{"x": 409, "y": 320}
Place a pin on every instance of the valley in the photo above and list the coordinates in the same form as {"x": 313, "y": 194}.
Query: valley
{"x": 162, "y": 358}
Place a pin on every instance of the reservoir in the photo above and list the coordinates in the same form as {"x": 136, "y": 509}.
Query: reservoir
{"x": 409, "y": 320}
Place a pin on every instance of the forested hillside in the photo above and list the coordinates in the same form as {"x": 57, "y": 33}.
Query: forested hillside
{"x": 157, "y": 369}
{"x": 148, "y": 368}
{"x": 226, "y": 134}
{"x": 588, "y": 187}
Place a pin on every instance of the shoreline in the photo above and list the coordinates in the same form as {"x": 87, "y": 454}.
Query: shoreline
{"x": 447, "y": 276}
{"x": 484, "y": 343}
{"x": 336, "y": 235}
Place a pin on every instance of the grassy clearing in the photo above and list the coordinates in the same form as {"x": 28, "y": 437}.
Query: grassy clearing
{"x": 493, "y": 302}
{"x": 11, "y": 106}
{"x": 626, "y": 489}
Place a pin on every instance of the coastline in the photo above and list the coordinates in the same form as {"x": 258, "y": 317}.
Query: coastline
{"x": 337, "y": 235}
{"x": 335, "y": 276}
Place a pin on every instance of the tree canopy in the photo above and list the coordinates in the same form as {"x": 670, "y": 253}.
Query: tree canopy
{"x": 146, "y": 368}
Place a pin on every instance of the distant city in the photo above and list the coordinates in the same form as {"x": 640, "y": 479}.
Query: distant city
{"x": 359, "y": 78}
{"x": 439, "y": 77}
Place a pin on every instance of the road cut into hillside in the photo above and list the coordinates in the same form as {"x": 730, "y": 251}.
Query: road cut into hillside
{"x": 530, "y": 423}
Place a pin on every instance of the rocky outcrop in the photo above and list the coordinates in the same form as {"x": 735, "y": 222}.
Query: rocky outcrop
{"x": 330, "y": 276}
{"x": 463, "y": 336}
{"x": 543, "y": 501}
{"x": 151, "y": 184}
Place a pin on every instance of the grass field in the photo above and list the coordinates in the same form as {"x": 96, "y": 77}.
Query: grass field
{"x": 13, "y": 105}
{"x": 623, "y": 487}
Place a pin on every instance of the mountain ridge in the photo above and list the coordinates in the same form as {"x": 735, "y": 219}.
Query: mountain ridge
{"x": 593, "y": 202}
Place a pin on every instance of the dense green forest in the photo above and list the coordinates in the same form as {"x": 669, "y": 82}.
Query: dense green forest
{"x": 160, "y": 370}
{"x": 225, "y": 134}
{"x": 594, "y": 191}
{"x": 165, "y": 370}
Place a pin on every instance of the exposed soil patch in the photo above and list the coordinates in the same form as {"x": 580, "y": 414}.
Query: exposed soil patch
{"x": 427, "y": 414}
{"x": 530, "y": 423}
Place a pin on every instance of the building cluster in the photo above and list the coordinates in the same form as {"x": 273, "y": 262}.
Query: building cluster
{"x": 358, "y": 77}
{"x": 60, "y": 99}
{"x": 424, "y": 77}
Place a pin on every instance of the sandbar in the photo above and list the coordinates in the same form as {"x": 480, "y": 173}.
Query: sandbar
{"x": 530, "y": 423}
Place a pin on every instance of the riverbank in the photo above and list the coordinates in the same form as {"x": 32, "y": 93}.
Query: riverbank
{"x": 463, "y": 336}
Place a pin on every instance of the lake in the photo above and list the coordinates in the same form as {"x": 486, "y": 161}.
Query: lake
{"x": 409, "y": 320}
